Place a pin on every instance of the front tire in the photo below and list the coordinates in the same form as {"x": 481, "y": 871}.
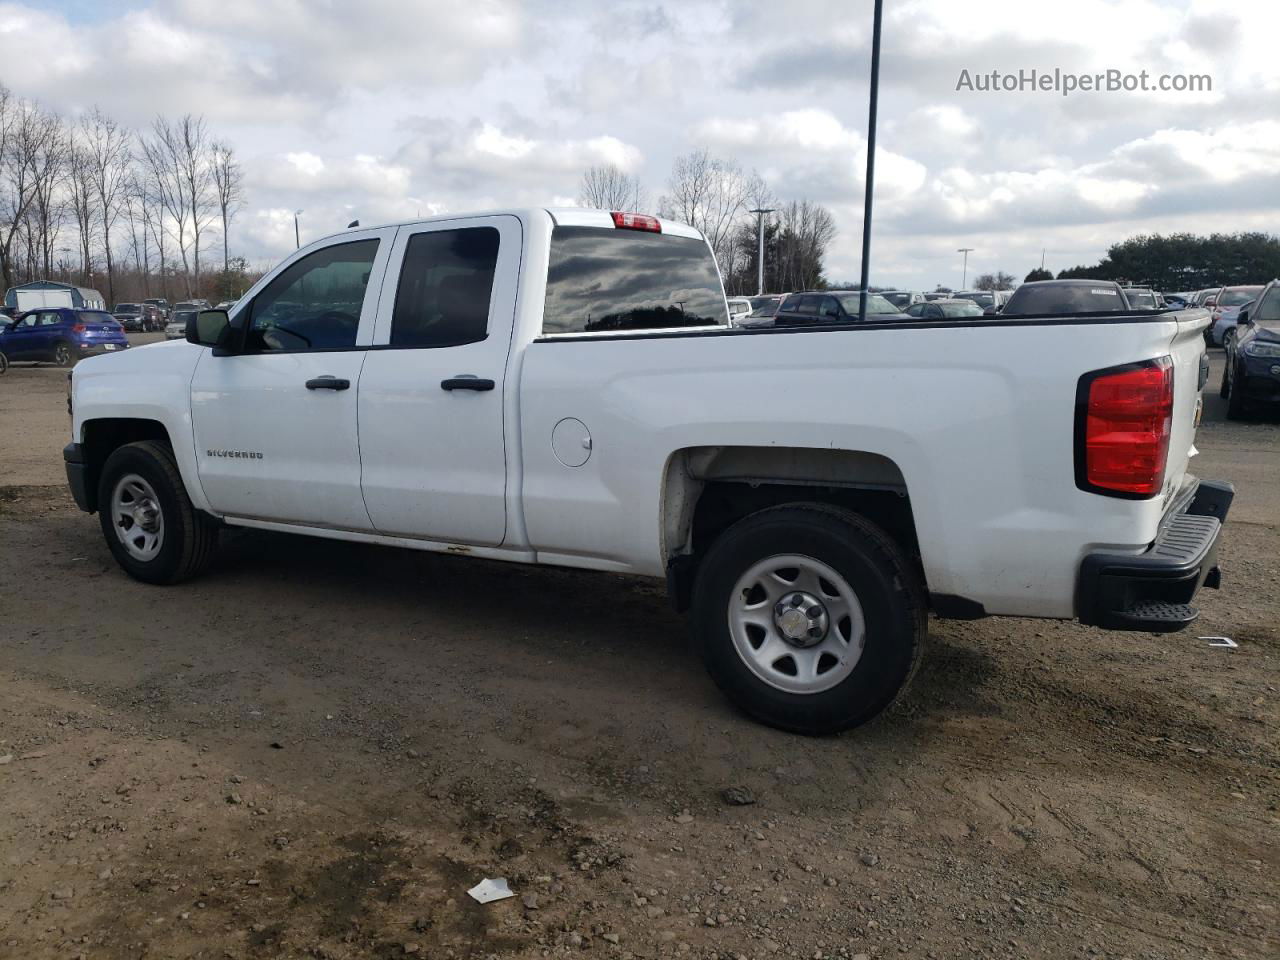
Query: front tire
{"x": 1237, "y": 408}
{"x": 809, "y": 618}
{"x": 150, "y": 526}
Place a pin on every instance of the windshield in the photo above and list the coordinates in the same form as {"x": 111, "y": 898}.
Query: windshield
{"x": 981, "y": 299}
{"x": 1032, "y": 298}
{"x": 128, "y": 308}
{"x": 609, "y": 279}
{"x": 764, "y": 306}
{"x": 1238, "y": 296}
{"x": 899, "y": 299}
{"x": 876, "y": 304}
{"x": 182, "y": 316}
{"x": 1141, "y": 299}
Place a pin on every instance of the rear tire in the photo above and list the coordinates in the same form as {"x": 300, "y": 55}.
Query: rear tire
{"x": 63, "y": 354}
{"x": 150, "y": 526}
{"x": 862, "y": 632}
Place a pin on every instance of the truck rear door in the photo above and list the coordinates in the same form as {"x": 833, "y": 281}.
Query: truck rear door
{"x": 432, "y": 443}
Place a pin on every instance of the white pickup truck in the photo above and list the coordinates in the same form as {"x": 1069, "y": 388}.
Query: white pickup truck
{"x": 563, "y": 387}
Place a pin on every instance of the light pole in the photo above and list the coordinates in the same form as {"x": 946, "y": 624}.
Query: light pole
{"x": 297, "y": 238}
{"x": 760, "y": 212}
{"x": 873, "y": 99}
{"x": 964, "y": 275}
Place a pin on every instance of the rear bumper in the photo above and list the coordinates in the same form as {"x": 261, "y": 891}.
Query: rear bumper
{"x": 1152, "y": 591}
{"x": 90, "y": 348}
{"x": 78, "y": 476}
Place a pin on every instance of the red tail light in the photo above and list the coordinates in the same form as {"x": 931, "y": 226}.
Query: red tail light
{"x": 78, "y": 328}
{"x": 1123, "y": 418}
{"x": 636, "y": 221}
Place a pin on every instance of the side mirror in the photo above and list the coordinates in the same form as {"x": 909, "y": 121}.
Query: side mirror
{"x": 989, "y": 311}
{"x": 212, "y": 328}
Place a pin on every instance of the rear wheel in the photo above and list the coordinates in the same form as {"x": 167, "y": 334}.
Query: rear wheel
{"x": 809, "y": 618}
{"x": 63, "y": 355}
{"x": 148, "y": 521}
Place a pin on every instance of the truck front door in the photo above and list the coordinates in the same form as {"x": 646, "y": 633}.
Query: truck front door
{"x": 275, "y": 422}
{"x": 432, "y": 446}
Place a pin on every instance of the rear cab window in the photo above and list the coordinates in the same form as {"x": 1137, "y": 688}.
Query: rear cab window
{"x": 604, "y": 280}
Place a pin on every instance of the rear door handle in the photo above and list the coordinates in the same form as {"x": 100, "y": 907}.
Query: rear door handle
{"x": 466, "y": 382}
{"x": 328, "y": 383}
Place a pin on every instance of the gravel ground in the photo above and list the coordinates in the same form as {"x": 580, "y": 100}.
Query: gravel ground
{"x": 315, "y": 749}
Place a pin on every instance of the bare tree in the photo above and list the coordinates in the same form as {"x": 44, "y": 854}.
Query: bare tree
{"x": 606, "y": 187}
{"x": 228, "y": 184}
{"x": 163, "y": 152}
{"x": 710, "y": 194}
{"x": 81, "y": 193}
{"x": 47, "y": 212}
{"x": 805, "y": 230}
{"x": 107, "y": 145}
{"x": 19, "y": 144}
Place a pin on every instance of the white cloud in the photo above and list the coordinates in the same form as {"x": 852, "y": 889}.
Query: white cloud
{"x": 394, "y": 108}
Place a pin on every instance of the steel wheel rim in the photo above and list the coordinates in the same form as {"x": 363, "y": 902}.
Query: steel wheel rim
{"x": 806, "y": 647}
{"x": 137, "y": 517}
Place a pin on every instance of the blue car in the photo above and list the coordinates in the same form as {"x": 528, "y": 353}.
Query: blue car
{"x": 61, "y": 335}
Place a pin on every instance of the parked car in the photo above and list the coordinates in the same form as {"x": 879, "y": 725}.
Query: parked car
{"x": 62, "y": 335}
{"x": 1142, "y": 298}
{"x": 739, "y": 309}
{"x": 1207, "y": 298}
{"x": 1178, "y": 300}
{"x": 808, "y": 308}
{"x": 902, "y": 298}
{"x": 938, "y": 295}
{"x": 944, "y": 309}
{"x": 129, "y": 316}
{"x": 1251, "y": 376}
{"x": 176, "y": 329}
{"x": 1066, "y": 297}
{"x": 766, "y": 305}
{"x": 991, "y": 301}
{"x": 192, "y": 305}
{"x": 800, "y": 490}
{"x": 1225, "y": 311}
{"x": 161, "y": 305}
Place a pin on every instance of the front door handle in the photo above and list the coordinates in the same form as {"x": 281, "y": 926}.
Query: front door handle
{"x": 466, "y": 382}
{"x": 328, "y": 383}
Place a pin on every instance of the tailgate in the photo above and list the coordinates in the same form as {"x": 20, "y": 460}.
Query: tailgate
{"x": 1190, "y": 371}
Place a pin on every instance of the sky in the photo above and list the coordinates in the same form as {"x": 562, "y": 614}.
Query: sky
{"x": 387, "y": 110}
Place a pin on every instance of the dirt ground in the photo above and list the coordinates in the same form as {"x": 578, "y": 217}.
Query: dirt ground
{"x": 315, "y": 749}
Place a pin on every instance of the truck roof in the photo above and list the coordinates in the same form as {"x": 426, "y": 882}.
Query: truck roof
{"x": 561, "y": 216}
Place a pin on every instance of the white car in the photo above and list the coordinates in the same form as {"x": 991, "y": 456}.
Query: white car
{"x": 176, "y": 329}
{"x": 739, "y": 309}
{"x": 563, "y": 387}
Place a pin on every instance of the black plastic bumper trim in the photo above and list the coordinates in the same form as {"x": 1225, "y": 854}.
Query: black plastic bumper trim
{"x": 1152, "y": 591}
{"x": 78, "y": 476}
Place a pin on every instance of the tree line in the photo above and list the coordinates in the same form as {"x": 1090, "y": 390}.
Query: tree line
{"x": 716, "y": 196}
{"x": 131, "y": 213}
{"x": 1185, "y": 261}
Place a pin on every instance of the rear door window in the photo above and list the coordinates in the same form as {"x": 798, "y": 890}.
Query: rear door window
{"x": 603, "y": 279}
{"x": 446, "y": 283}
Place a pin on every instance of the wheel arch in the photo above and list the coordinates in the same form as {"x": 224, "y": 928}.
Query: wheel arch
{"x": 707, "y": 489}
{"x": 101, "y": 437}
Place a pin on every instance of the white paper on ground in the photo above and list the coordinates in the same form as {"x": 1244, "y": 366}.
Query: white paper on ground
{"x": 486, "y": 891}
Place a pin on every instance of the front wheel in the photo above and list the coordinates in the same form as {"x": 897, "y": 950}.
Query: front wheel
{"x": 809, "y": 618}
{"x": 148, "y": 521}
